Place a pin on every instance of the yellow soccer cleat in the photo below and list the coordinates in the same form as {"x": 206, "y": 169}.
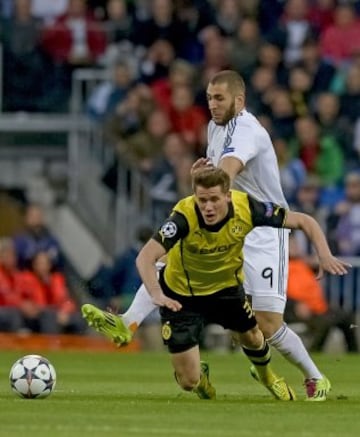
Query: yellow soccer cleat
{"x": 317, "y": 389}
{"x": 278, "y": 387}
{"x": 108, "y": 324}
{"x": 204, "y": 389}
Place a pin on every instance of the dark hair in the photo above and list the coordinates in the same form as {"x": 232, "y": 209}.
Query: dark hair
{"x": 233, "y": 79}
{"x": 209, "y": 177}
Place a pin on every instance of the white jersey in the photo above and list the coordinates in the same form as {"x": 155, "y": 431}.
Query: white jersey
{"x": 245, "y": 139}
{"x": 265, "y": 249}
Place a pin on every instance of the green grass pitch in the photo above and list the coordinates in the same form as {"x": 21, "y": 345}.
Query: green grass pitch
{"x": 134, "y": 394}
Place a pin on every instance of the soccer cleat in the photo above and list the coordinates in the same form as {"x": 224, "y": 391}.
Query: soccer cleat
{"x": 108, "y": 324}
{"x": 204, "y": 389}
{"x": 317, "y": 389}
{"x": 278, "y": 388}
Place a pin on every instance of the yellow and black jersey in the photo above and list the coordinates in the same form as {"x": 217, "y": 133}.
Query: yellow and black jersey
{"x": 205, "y": 259}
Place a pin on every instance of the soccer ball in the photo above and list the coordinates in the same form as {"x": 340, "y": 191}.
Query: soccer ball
{"x": 32, "y": 376}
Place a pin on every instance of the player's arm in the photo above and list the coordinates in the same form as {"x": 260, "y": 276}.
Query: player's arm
{"x": 170, "y": 232}
{"x": 232, "y": 166}
{"x": 146, "y": 260}
{"x": 327, "y": 262}
{"x": 269, "y": 214}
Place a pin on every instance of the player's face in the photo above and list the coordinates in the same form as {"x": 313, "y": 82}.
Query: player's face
{"x": 221, "y": 103}
{"x": 213, "y": 203}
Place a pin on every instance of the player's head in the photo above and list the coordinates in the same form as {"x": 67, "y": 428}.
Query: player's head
{"x": 211, "y": 187}
{"x": 225, "y": 95}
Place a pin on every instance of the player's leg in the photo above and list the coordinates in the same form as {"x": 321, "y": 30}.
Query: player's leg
{"x": 140, "y": 307}
{"x": 120, "y": 328}
{"x": 266, "y": 271}
{"x": 181, "y": 333}
{"x": 258, "y": 352}
{"x": 192, "y": 374}
{"x": 231, "y": 309}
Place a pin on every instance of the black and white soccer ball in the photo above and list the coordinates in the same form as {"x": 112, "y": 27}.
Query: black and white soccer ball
{"x": 32, "y": 376}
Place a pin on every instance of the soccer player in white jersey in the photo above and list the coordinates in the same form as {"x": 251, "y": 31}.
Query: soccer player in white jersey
{"x": 242, "y": 147}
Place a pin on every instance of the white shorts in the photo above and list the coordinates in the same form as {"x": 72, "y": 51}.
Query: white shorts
{"x": 266, "y": 266}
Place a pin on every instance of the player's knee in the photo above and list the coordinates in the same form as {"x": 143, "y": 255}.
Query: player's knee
{"x": 252, "y": 339}
{"x": 269, "y": 323}
{"x": 187, "y": 381}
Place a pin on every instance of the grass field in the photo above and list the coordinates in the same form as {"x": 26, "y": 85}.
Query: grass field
{"x": 134, "y": 394}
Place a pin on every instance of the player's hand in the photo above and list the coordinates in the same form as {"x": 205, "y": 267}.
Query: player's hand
{"x": 200, "y": 163}
{"x": 164, "y": 301}
{"x": 332, "y": 265}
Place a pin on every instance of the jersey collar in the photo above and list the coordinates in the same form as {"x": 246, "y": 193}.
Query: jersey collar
{"x": 217, "y": 226}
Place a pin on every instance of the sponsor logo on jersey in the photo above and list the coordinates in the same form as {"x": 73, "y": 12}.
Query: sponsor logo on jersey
{"x": 208, "y": 250}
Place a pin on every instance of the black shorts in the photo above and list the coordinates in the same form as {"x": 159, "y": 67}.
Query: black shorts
{"x": 183, "y": 329}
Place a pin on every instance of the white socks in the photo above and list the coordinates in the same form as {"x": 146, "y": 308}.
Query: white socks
{"x": 291, "y": 347}
{"x": 141, "y": 306}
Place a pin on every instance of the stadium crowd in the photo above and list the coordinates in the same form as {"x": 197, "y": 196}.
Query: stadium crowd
{"x": 300, "y": 60}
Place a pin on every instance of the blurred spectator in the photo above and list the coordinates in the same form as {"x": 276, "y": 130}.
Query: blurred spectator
{"x": 322, "y": 72}
{"x": 118, "y": 23}
{"x": 48, "y": 11}
{"x": 321, "y": 14}
{"x": 196, "y": 19}
{"x": 131, "y": 114}
{"x": 75, "y": 38}
{"x": 344, "y": 222}
{"x": 269, "y": 13}
{"x": 139, "y": 150}
{"x": 27, "y": 71}
{"x": 167, "y": 177}
{"x": 292, "y": 30}
{"x": 244, "y": 47}
{"x": 261, "y": 85}
{"x": 307, "y": 303}
{"x": 215, "y": 53}
{"x": 180, "y": 73}
{"x": 145, "y": 146}
{"x": 282, "y": 112}
{"x": 115, "y": 286}
{"x": 292, "y": 170}
{"x": 108, "y": 95}
{"x": 162, "y": 24}
{"x": 157, "y": 61}
{"x": 187, "y": 118}
{"x": 340, "y": 40}
{"x": 228, "y": 16}
{"x": 47, "y": 305}
{"x": 36, "y": 237}
{"x": 271, "y": 55}
{"x": 326, "y": 108}
{"x": 300, "y": 84}
{"x": 321, "y": 154}
{"x": 350, "y": 98}
{"x": 10, "y": 288}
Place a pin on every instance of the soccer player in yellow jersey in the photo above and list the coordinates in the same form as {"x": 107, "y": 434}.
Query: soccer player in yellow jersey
{"x": 202, "y": 281}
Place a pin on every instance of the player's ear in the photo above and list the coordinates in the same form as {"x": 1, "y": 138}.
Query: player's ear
{"x": 239, "y": 102}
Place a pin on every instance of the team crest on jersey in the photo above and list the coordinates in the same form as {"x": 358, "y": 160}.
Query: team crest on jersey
{"x": 236, "y": 229}
{"x": 166, "y": 331}
{"x": 168, "y": 230}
